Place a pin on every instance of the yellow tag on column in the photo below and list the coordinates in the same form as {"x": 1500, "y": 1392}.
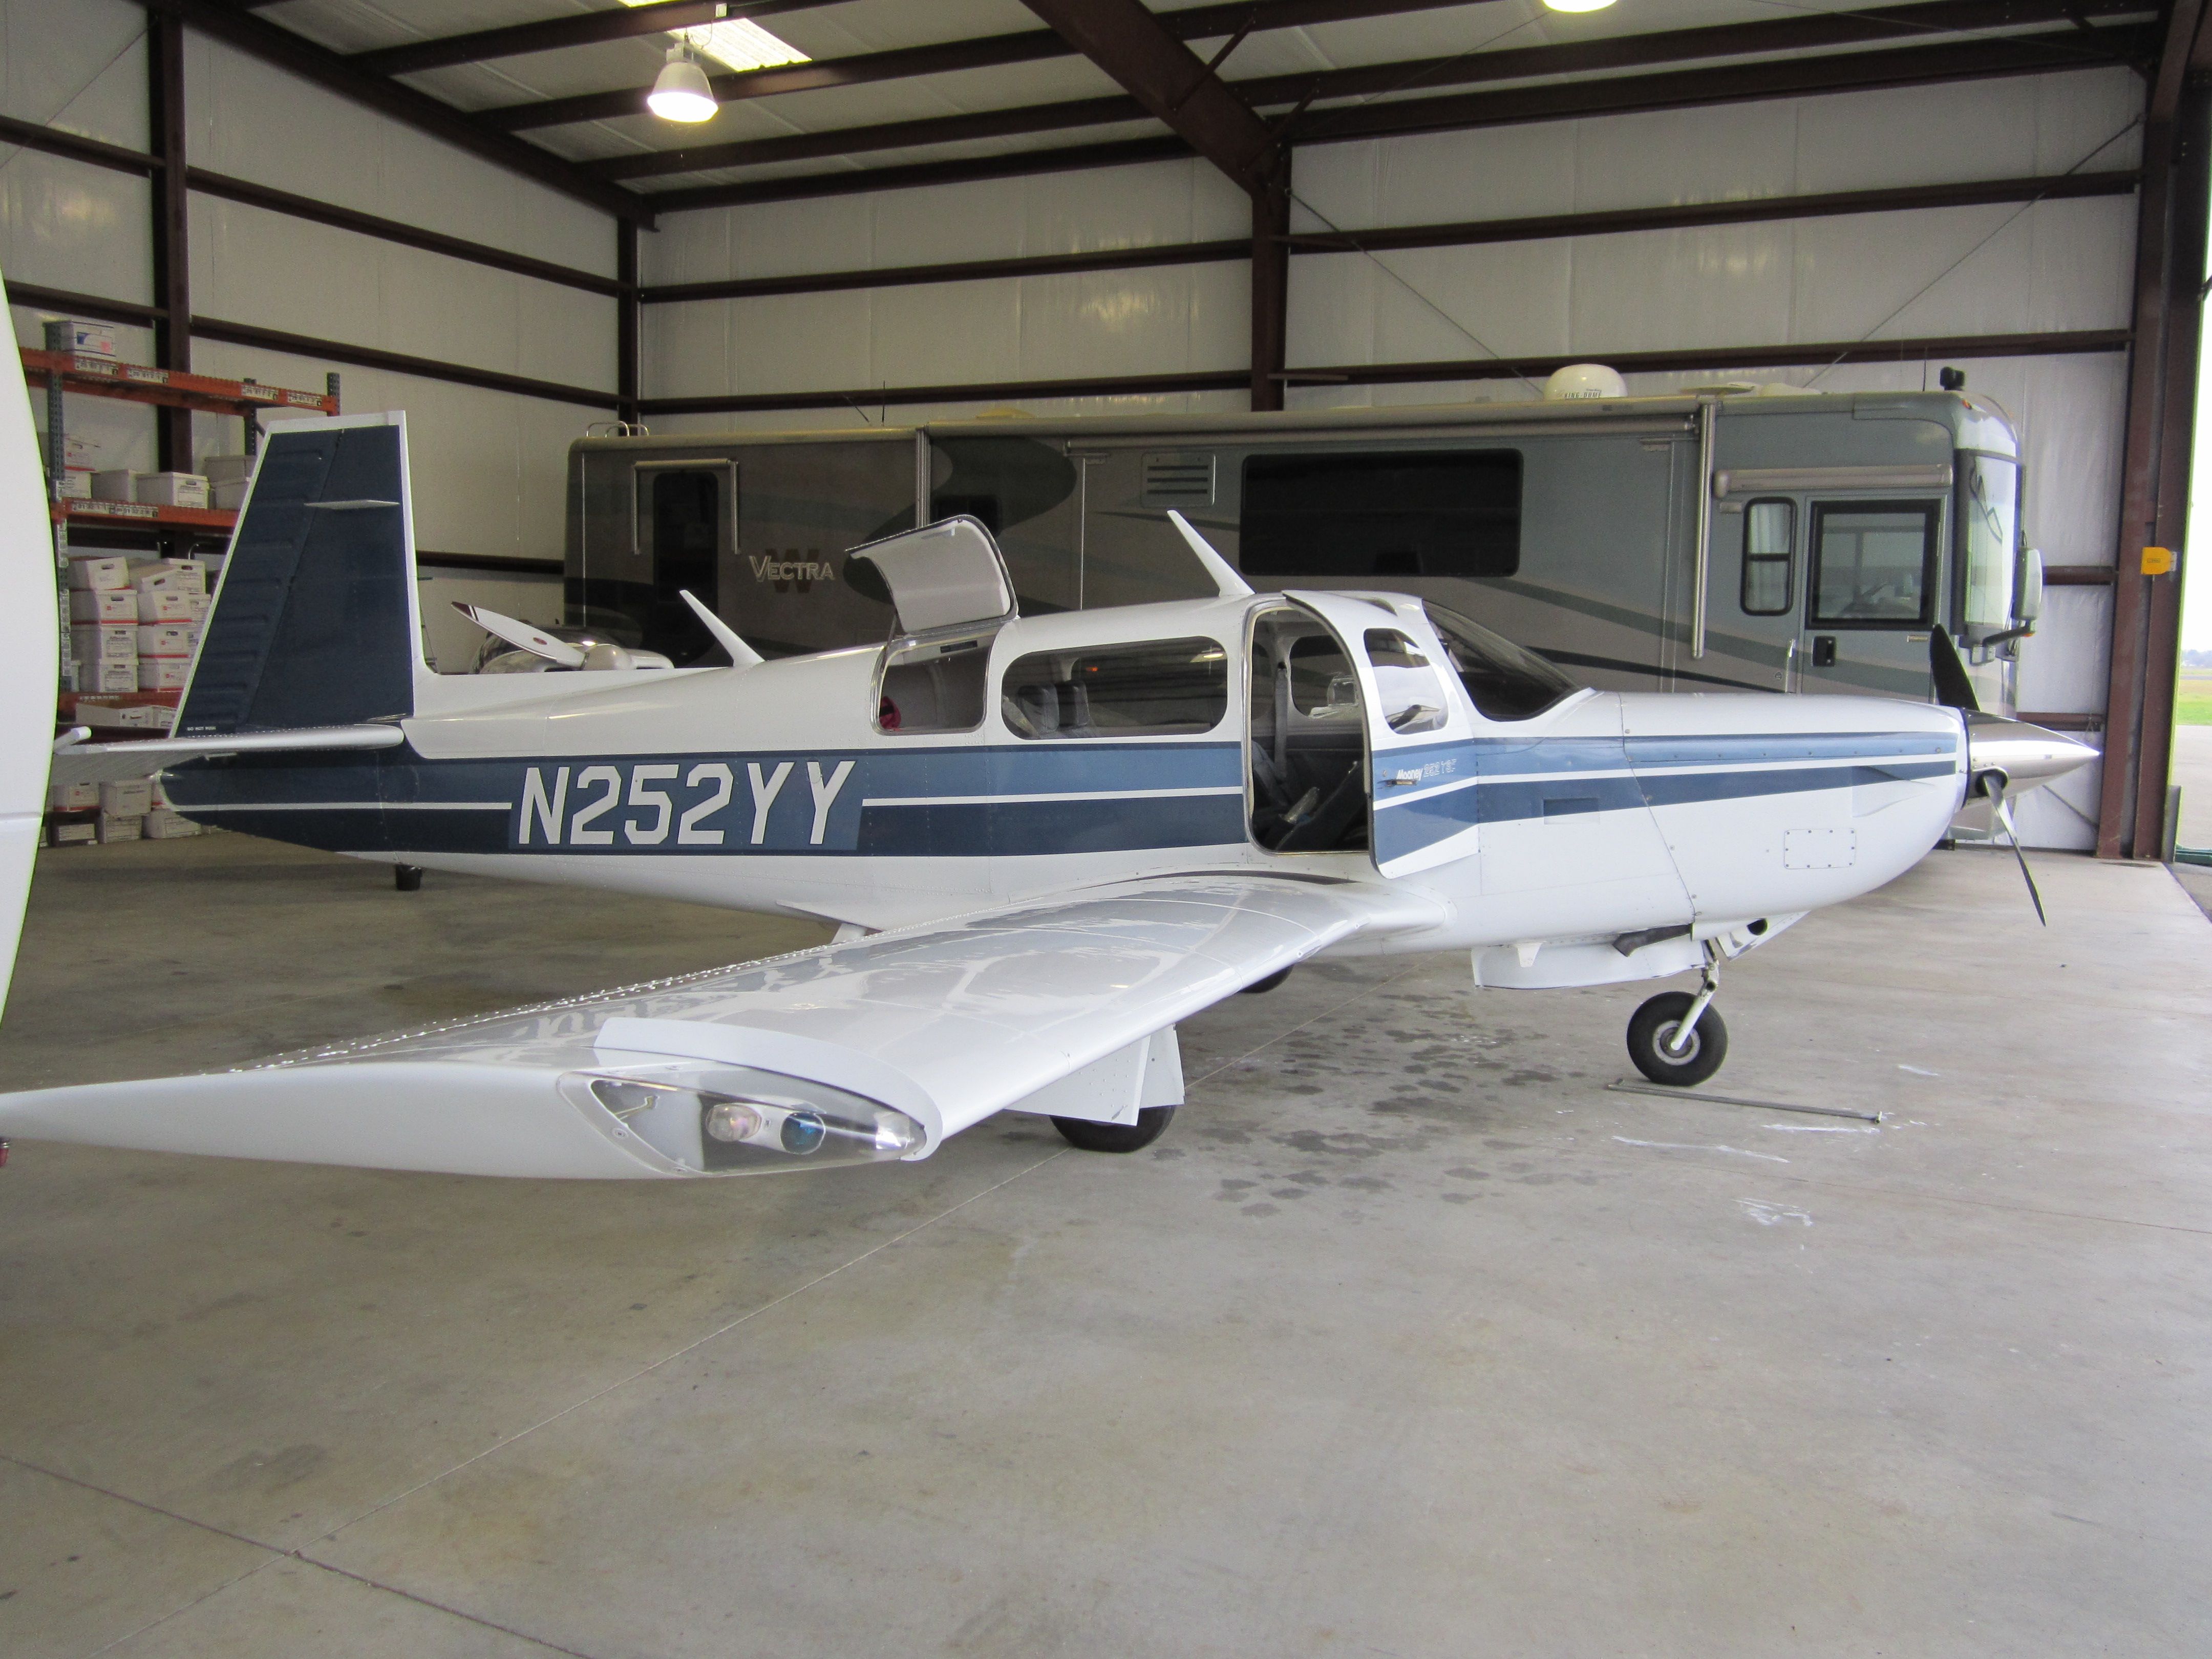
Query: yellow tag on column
{"x": 2158, "y": 561}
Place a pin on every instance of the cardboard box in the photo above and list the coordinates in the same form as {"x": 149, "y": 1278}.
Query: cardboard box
{"x": 161, "y": 801}
{"x": 168, "y": 604}
{"x": 98, "y": 572}
{"x": 164, "y": 673}
{"x": 102, "y": 675}
{"x": 132, "y": 798}
{"x": 74, "y": 796}
{"x": 172, "y": 489}
{"x": 121, "y": 828}
{"x": 90, "y": 339}
{"x": 227, "y": 469}
{"x": 229, "y": 495}
{"x": 160, "y": 825}
{"x": 115, "y": 642}
{"x": 76, "y": 484}
{"x": 134, "y": 717}
{"x": 167, "y": 639}
{"x": 104, "y": 604}
{"x": 77, "y": 451}
{"x": 156, "y": 575}
{"x": 72, "y": 832}
{"x": 114, "y": 484}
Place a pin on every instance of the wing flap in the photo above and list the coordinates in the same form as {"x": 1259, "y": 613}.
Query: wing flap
{"x": 880, "y": 1048}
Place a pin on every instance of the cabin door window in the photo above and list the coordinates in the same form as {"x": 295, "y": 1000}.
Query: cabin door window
{"x": 1307, "y": 753}
{"x": 1872, "y": 595}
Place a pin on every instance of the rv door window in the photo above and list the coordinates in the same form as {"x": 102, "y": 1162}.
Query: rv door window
{"x": 1769, "y": 549}
{"x": 1419, "y": 513}
{"x": 1873, "y": 564}
{"x": 680, "y": 512}
{"x": 1155, "y": 689}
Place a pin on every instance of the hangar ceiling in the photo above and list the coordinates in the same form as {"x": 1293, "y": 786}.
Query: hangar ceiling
{"x": 894, "y": 92}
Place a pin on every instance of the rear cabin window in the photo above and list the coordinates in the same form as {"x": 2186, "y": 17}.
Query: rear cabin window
{"x": 1425, "y": 512}
{"x": 1156, "y": 689}
{"x": 1770, "y": 548}
{"x": 1873, "y": 564}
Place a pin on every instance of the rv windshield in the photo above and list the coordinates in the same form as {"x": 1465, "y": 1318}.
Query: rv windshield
{"x": 1989, "y": 492}
{"x": 1507, "y": 682}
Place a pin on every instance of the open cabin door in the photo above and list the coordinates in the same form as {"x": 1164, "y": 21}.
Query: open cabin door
{"x": 1420, "y": 776}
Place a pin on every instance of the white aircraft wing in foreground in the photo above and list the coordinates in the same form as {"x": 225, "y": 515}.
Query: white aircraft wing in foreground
{"x": 853, "y": 1053}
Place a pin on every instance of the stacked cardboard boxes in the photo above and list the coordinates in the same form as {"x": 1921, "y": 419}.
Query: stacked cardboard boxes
{"x": 138, "y": 809}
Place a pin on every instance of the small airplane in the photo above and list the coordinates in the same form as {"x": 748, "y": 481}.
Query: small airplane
{"x": 1043, "y": 841}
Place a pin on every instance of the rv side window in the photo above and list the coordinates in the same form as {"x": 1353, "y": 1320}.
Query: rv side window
{"x": 1769, "y": 548}
{"x": 1420, "y": 512}
{"x": 1873, "y": 564}
{"x": 1157, "y": 689}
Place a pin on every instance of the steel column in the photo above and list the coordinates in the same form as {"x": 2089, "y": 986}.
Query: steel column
{"x": 626, "y": 322}
{"x": 1271, "y": 284}
{"x": 2120, "y": 833}
{"x": 172, "y": 237}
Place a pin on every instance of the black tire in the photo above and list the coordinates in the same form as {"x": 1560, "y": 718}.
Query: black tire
{"x": 1268, "y": 984}
{"x": 1151, "y": 1123}
{"x": 1653, "y": 1026}
{"x": 407, "y": 878}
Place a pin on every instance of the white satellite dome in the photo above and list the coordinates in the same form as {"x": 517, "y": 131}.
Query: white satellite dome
{"x": 1585, "y": 380}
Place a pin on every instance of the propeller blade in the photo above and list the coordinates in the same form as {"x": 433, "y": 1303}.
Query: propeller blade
{"x": 1954, "y": 688}
{"x": 522, "y": 636}
{"x": 2004, "y": 817}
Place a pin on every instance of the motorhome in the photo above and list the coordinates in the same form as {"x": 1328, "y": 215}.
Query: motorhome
{"x": 1733, "y": 538}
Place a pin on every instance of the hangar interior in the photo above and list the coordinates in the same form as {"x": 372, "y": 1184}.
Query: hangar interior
{"x": 1410, "y": 1337}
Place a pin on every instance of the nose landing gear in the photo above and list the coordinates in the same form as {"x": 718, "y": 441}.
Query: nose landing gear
{"x": 1679, "y": 1039}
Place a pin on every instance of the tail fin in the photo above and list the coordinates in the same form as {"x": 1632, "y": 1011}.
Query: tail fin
{"x": 315, "y": 622}
{"x": 30, "y": 655}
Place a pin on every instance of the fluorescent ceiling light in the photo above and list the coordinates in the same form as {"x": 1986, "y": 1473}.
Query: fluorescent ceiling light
{"x": 739, "y": 43}
{"x": 1556, "y": 5}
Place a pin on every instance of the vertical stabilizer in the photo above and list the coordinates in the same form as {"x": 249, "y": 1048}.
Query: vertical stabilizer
{"x": 29, "y": 656}
{"x": 315, "y": 622}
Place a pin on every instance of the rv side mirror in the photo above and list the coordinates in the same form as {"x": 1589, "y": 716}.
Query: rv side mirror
{"x": 2028, "y": 608}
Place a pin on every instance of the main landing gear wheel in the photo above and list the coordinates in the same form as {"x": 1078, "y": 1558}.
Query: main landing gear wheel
{"x": 407, "y": 878}
{"x": 1652, "y": 1029}
{"x": 1258, "y": 986}
{"x": 1151, "y": 1123}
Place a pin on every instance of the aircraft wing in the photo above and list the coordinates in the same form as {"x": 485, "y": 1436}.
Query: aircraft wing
{"x": 874, "y": 1050}
{"x": 112, "y": 762}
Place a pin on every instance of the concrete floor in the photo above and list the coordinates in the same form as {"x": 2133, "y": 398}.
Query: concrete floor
{"x": 1408, "y": 1339}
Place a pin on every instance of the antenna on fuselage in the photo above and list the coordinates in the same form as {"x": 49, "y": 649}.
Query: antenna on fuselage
{"x": 1225, "y": 579}
{"x": 741, "y": 654}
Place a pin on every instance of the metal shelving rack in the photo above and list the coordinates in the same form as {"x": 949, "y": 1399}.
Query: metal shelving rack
{"x": 62, "y": 371}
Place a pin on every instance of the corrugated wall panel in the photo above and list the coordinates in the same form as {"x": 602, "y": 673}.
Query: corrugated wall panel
{"x": 77, "y": 65}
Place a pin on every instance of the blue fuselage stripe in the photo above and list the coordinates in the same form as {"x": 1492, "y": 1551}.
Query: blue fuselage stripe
{"x": 985, "y": 802}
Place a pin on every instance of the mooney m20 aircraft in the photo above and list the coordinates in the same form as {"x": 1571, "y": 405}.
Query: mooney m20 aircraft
{"x": 1043, "y": 840}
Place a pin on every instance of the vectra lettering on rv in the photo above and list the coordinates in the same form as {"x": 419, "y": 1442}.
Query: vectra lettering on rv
{"x": 567, "y": 806}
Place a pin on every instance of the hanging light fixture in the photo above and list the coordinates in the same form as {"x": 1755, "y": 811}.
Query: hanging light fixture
{"x": 681, "y": 91}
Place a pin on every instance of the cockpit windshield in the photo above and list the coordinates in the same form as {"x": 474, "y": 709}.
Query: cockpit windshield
{"x": 1990, "y": 488}
{"x": 1506, "y": 681}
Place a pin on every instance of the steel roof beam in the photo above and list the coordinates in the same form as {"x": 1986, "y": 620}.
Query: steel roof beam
{"x": 236, "y": 26}
{"x": 579, "y": 29}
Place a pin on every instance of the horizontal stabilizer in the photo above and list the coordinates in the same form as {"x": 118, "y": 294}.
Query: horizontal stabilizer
{"x": 112, "y": 762}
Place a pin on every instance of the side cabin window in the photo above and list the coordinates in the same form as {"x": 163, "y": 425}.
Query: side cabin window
{"x": 934, "y": 685}
{"x": 1873, "y": 564}
{"x": 1414, "y": 512}
{"x": 1152, "y": 688}
{"x": 1504, "y": 681}
{"x": 1769, "y": 553}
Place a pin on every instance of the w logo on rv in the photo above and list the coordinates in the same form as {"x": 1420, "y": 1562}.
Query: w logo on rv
{"x": 776, "y": 804}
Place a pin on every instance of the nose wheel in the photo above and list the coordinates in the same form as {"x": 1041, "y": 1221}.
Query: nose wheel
{"x": 1678, "y": 1039}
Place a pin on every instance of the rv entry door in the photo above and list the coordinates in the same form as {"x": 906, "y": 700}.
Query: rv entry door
{"x": 1872, "y": 586}
{"x": 686, "y": 515}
